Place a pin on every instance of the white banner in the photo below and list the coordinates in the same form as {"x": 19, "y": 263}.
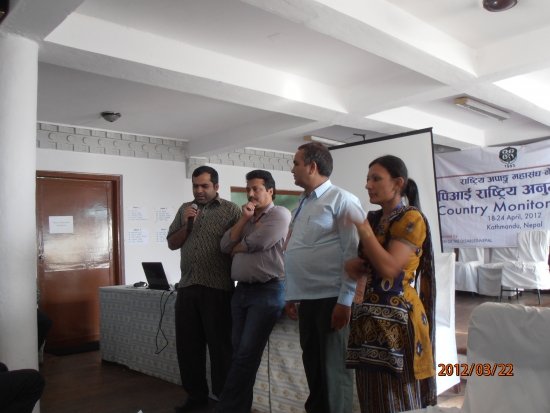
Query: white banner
{"x": 487, "y": 195}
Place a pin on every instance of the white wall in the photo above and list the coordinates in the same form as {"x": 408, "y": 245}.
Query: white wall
{"x": 149, "y": 183}
{"x": 351, "y": 165}
{"x": 235, "y": 176}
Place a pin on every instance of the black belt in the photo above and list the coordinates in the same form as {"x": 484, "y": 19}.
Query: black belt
{"x": 271, "y": 280}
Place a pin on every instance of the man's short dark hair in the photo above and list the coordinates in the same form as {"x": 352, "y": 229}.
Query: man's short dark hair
{"x": 207, "y": 170}
{"x": 318, "y": 153}
{"x": 269, "y": 182}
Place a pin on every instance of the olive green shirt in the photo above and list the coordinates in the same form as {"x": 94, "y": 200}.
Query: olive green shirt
{"x": 202, "y": 261}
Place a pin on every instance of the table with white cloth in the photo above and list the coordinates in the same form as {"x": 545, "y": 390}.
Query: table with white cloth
{"x": 129, "y": 320}
{"x": 128, "y": 323}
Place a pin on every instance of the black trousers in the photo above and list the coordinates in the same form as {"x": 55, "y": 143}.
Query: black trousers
{"x": 19, "y": 390}
{"x": 203, "y": 317}
{"x": 324, "y": 357}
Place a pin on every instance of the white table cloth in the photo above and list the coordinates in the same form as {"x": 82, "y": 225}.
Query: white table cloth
{"x": 469, "y": 259}
{"x": 129, "y": 319}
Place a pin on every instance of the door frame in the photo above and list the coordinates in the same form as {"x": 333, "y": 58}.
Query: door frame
{"x": 116, "y": 182}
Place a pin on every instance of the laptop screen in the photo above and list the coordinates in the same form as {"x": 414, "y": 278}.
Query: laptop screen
{"x": 156, "y": 277}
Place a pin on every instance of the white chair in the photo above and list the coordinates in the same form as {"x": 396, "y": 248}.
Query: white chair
{"x": 466, "y": 268}
{"x": 511, "y": 339}
{"x": 445, "y": 338}
{"x": 487, "y": 253}
{"x": 490, "y": 275}
{"x": 531, "y": 270}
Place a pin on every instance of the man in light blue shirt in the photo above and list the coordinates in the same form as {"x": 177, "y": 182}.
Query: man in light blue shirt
{"x": 321, "y": 238}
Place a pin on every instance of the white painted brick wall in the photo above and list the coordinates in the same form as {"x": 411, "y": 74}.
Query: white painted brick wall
{"x": 66, "y": 138}
{"x": 57, "y": 137}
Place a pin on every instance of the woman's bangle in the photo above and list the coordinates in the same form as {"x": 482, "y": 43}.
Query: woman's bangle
{"x": 365, "y": 232}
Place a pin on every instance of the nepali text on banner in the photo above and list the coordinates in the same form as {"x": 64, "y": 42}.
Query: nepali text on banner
{"x": 486, "y": 196}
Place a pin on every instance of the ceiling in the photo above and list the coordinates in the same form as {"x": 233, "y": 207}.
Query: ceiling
{"x": 230, "y": 74}
{"x": 469, "y": 23}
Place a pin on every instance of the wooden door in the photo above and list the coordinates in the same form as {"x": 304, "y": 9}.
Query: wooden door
{"x": 79, "y": 250}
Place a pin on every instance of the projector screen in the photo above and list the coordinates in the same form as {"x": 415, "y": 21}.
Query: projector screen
{"x": 351, "y": 165}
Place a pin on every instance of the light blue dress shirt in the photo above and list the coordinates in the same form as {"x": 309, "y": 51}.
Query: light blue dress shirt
{"x": 323, "y": 238}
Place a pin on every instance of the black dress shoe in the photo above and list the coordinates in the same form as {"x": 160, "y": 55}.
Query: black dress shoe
{"x": 190, "y": 405}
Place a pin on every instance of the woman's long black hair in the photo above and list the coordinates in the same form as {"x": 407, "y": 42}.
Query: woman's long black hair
{"x": 397, "y": 169}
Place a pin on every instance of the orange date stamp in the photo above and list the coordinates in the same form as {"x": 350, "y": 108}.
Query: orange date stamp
{"x": 478, "y": 369}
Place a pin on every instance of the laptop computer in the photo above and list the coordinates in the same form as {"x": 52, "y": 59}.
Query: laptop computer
{"x": 156, "y": 277}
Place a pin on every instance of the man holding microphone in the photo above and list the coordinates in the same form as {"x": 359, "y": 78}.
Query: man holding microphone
{"x": 203, "y": 304}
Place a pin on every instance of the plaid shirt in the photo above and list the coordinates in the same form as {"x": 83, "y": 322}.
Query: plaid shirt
{"x": 202, "y": 261}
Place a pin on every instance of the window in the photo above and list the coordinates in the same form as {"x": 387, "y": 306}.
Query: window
{"x": 288, "y": 199}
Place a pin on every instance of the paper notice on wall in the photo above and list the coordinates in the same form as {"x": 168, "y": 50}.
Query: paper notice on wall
{"x": 161, "y": 235}
{"x": 164, "y": 214}
{"x": 138, "y": 236}
{"x": 137, "y": 213}
{"x": 61, "y": 225}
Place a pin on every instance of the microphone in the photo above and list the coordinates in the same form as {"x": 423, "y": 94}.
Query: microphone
{"x": 191, "y": 219}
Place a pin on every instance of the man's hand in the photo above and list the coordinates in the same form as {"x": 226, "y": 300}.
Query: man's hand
{"x": 248, "y": 210}
{"x": 237, "y": 229}
{"x": 291, "y": 311}
{"x": 189, "y": 212}
{"x": 176, "y": 240}
{"x": 340, "y": 316}
{"x": 238, "y": 248}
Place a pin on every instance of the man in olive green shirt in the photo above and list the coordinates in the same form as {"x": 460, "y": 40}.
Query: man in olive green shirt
{"x": 203, "y": 304}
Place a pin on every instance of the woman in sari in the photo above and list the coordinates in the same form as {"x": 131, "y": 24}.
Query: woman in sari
{"x": 391, "y": 343}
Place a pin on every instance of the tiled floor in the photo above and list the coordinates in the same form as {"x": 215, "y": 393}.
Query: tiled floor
{"x": 450, "y": 398}
{"x": 85, "y": 384}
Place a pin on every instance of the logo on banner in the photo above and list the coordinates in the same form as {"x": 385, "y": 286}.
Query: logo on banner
{"x": 508, "y": 156}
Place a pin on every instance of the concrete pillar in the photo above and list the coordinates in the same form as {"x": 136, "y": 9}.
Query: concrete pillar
{"x": 18, "y": 90}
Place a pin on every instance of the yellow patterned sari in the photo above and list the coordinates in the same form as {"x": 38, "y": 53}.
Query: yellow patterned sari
{"x": 392, "y": 331}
